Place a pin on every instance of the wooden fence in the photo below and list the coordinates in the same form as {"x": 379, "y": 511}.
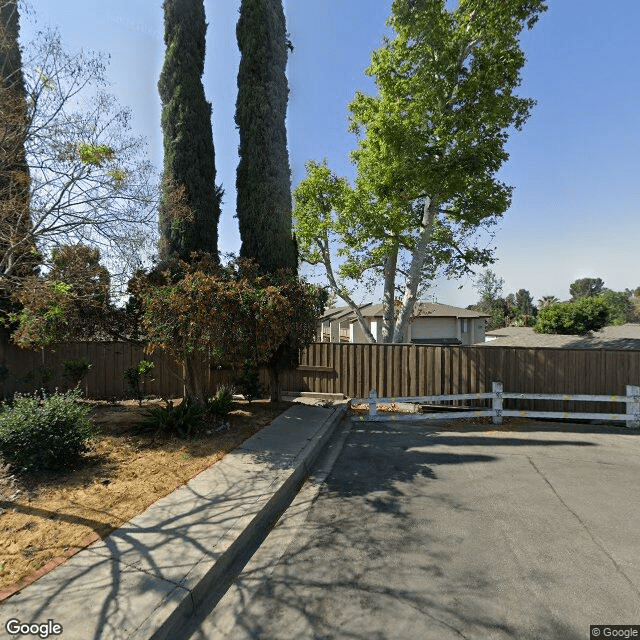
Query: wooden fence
{"x": 423, "y": 370}
{"x": 25, "y": 371}
{"x": 394, "y": 370}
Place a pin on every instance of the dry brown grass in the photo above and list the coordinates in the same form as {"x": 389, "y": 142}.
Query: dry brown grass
{"x": 43, "y": 519}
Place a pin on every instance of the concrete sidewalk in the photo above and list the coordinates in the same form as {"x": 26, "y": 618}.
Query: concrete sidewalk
{"x": 148, "y": 576}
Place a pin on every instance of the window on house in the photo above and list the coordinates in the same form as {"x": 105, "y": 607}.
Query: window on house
{"x": 465, "y": 326}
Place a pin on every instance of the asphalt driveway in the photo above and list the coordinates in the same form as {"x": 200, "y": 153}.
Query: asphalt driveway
{"x": 422, "y": 532}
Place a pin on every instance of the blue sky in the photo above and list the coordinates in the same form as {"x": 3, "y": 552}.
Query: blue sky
{"x": 575, "y": 166}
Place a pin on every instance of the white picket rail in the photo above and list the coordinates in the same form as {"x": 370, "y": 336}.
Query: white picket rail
{"x": 631, "y": 416}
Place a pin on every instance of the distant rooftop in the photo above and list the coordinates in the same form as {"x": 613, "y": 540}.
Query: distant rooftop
{"x": 421, "y": 309}
{"x": 625, "y": 336}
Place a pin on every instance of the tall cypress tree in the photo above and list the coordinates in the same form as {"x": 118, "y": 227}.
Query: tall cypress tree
{"x": 263, "y": 180}
{"x": 190, "y": 206}
{"x": 15, "y": 215}
{"x": 18, "y": 253}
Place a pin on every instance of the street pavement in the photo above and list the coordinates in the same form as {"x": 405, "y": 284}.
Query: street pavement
{"x": 416, "y": 531}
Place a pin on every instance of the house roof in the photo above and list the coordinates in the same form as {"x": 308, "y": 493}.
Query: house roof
{"x": 429, "y": 309}
{"x": 626, "y": 336}
{"x": 421, "y": 310}
{"x": 336, "y": 313}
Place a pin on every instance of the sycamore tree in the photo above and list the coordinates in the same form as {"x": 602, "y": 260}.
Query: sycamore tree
{"x": 89, "y": 180}
{"x": 430, "y": 144}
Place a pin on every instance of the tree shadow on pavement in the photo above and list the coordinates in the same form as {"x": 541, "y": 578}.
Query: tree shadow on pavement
{"x": 362, "y": 565}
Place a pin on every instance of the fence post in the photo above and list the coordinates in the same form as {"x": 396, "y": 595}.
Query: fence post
{"x": 496, "y": 388}
{"x": 633, "y": 407}
{"x": 373, "y": 400}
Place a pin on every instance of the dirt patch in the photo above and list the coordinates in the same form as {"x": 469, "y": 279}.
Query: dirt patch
{"x": 43, "y": 518}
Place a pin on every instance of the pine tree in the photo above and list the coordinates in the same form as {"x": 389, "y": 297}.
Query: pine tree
{"x": 263, "y": 179}
{"x": 190, "y": 206}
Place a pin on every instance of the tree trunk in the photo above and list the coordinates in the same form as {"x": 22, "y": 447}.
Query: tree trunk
{"x": 415, "y": 270}
{"x": 388, "y": 298}
{"x": 326, "y": 259}
{"x": 195, "y": 387}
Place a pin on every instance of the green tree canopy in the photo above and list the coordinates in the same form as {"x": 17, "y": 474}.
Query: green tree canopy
{"x": 621, "y": 307}
{"x": 489, "y": 287}
{"x": 70, "y": 302}
{"x": 430, "y": 144}
{"x": 586, "y": 287}
{"x": 589, "y": 313}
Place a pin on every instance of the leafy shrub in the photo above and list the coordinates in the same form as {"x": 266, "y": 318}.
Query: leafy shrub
{"x": 220, "y": 405}
{"x": 620, "y": 306}
{"x": 75, "y": 370}
{"x": 135, "y": 376}
{"x": 248, "y": 383}
{"x": 227, "y": 315}
{"x": 183, "y": 420}
{"x": 47, "y": 434}
{"x": 573, "y": 318}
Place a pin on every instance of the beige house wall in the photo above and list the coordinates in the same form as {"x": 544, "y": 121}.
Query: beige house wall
{"x": 475, "y": 330}
{"x": 434, "y": 328}
{"x": 479, "y": 326}
{"x": 357, "y": 334}
{"x": 419, "y": 328}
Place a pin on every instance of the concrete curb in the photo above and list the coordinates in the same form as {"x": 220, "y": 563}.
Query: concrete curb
{"x": 146, "y": 578}
{"x": 216, "y": 578}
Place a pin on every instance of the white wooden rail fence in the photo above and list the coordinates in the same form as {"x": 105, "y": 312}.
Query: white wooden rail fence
{"x": 631, "y": 416}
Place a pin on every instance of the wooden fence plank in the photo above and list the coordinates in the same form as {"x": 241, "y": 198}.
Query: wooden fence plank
{"x": 438, "y": 387}
{"x": 395, "y": 388}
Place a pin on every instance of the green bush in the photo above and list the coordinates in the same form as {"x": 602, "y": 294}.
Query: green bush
{"x": 184, "y": 420}
{"x": 47, "y": 434}
{"x": 620, "y": 307}
{"x": 573, "y": 318}
{"x": 220, "y": 405}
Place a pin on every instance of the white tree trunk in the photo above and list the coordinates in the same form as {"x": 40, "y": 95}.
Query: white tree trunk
{"x": 388, "y": 298}
{"x": 415, "y": 270}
